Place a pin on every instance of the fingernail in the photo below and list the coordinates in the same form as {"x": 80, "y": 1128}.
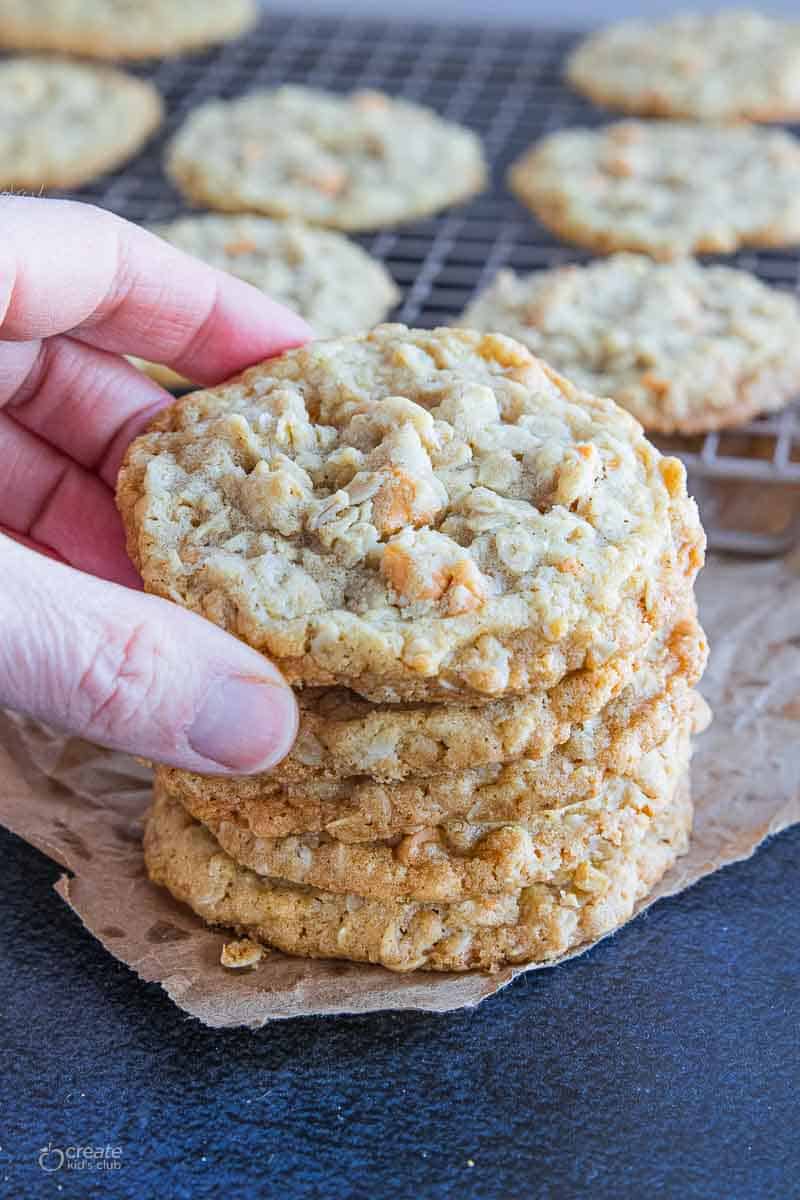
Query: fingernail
{"x": 245, "y": 724}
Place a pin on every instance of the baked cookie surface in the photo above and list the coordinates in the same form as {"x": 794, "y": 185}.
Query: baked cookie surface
{"x": 535, "y": 924}
{"x": 354, "y": 162}
{"x": 685, "y": 348}
{"x": 63, "y": 123}
{"x": 729, "y": 65}
{"x": 664, "y": 188}
{"x": 413, "y": 515}
{"x": 122, "y": 29}
{"x": 334, "y": 284}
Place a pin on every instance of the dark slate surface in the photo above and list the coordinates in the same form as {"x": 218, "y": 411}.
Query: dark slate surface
{"x": 664, "y": 1063}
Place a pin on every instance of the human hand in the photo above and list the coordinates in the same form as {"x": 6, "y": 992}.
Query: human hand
{"x": 79, "y": 647}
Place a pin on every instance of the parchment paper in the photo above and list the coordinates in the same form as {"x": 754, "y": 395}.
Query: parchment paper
{"x": 83, "y": 807}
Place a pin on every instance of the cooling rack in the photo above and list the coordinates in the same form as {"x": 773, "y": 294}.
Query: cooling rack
{"x": 506, "y": 84}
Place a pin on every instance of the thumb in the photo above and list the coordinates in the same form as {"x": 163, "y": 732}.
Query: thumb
{"x": 135, "y": 672}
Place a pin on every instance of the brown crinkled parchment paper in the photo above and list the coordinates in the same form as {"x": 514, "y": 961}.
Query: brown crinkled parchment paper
{"x": 83, "y": 807}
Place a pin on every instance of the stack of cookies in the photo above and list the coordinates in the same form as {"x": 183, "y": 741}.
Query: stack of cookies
{"x": 479, "y": 580}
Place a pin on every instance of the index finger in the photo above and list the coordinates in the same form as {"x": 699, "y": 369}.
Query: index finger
{"x": 71, "y": 268}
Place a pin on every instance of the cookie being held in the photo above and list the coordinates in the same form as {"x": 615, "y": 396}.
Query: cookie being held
{"x": 414, "y": 515}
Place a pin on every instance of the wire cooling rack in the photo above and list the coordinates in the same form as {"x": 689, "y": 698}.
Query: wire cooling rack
{"x": 506, "y": 84}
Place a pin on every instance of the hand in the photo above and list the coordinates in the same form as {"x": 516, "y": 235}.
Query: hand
{"x": 79, "y": 647}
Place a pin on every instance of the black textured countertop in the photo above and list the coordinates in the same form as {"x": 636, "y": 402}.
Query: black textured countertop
{"x": 662, "y": 1063}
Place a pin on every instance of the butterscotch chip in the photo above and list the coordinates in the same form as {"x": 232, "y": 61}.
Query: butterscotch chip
{"x": 722, "y": 66}
{"x": 664, "y": 188}
{"x": 685, "y": 348}
{"x": 121, "y": 29}
{"x": 534, "y": 924}
{"x": 562, "y": 810}
{"x": 64, "y": 123}
{"x": 328, "y": 279}
{"x": 361, "y": 161}
{"x": 413, "y": 515}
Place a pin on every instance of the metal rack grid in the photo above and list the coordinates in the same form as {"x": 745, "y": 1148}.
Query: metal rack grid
{"x": 506, "y": 84}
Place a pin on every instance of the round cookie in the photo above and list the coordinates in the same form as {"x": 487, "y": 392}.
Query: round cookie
{"x": 536, "y": 924}
{"x": 413, "y": 515}
{"x": 362, "y": 161}
{"x": 509, "y": 826}
{"x": 685, "y": 348}
{"x": 341, "y": 735}
{"x": 725, "y": 66}
{"x": 325, "y": 277}
{"x": 120, "y": 29}
{"x": 65, "y": 122}
{"x": 664, "y": 188}
{"x": 461, "y": 858}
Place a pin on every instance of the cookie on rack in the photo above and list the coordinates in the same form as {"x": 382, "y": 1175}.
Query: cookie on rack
{"x": 120, "y": 29}
{"x": 65, "y": 123}
{"x": 685, "y": 348}
{"x": 319, "y": 273}
{"x": 725, "y": 66}
{"x": 664, "y": 188}
{"x": 413, "y": 514}
{"x": 356, "y": 162}
{"x": 537, "y": 923}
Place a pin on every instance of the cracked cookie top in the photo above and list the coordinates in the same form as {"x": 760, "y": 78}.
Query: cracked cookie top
{"x": 412, "y": 514}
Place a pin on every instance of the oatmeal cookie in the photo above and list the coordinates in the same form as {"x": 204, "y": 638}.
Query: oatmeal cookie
{"x": 558, "y": 810}
{"x": 413, "y": 515}
{"x": 725, "y": 66}
{"x": 354, "y": 162}
{"x": 685, "y": 348}
{"x": 538, "y": 923}
{"x": 360, "y": 809}
{"x": 342, "y": 735}
{"x": 131, "y": 29}
{"x": 665, "y": 188}
{"x": 64, "y": 123}
{"x": 334, "y": 284}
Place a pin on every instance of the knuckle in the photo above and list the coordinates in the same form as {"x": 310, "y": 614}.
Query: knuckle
{"x": 120, "y": 684}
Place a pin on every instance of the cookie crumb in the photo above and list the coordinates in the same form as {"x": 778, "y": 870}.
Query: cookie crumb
{"x": 241, "y": 955}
